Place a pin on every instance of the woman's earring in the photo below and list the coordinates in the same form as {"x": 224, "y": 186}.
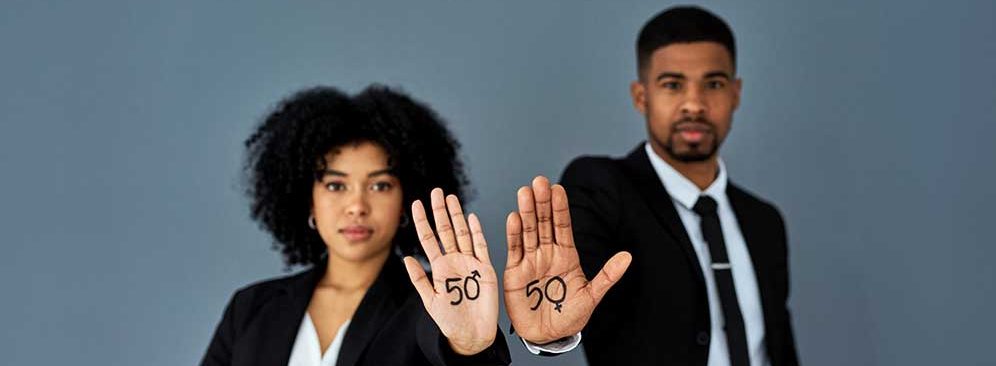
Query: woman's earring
{"x": 311, "y": 221}
{"x": 404, "y": 220}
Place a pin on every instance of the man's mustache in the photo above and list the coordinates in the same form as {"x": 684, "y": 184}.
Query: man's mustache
{"x": 693, "y": 123}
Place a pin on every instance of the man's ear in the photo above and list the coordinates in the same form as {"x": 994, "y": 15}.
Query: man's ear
{"x": 638, "y": 92}
{"x": 737, "y": 86}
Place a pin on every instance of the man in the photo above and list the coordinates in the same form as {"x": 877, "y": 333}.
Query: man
{"x": 708, "y": 283}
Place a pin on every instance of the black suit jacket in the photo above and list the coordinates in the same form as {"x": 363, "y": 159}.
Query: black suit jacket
{"x": 658, "y": 313}
{"x": 390, "y": 326}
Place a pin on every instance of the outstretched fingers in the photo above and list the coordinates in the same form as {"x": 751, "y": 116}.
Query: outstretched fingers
{"x": 527, "y": 216}
{"x": 611, "y": 272}
{"x": 544, "y": 212}
{"x": 444, "y": 229}
{"x": 563, "y": 231}
{"x": 480, "y": 243}
{"x": 418, "y": 277}
{"x": 425, "y": 235}
{"x": 463, "y": 237}
{"x": 513, "y": 237}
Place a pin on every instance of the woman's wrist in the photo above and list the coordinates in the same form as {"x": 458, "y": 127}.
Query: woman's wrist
{"x": 470, "y": 348}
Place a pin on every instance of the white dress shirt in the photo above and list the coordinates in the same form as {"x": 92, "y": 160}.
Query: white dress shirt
{"x": 558, "y": 346}
{"x": 684, "y": 194}
{"x": 307, "y": 350}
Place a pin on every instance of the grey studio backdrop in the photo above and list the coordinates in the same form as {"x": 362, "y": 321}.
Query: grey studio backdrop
{"x": 125, "y": 231}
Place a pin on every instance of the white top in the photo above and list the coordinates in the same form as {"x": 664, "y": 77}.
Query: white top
{"x": 684, "y": 194}
{"x": 307, "y": 350}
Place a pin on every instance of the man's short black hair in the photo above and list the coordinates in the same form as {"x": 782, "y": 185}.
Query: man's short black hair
{"x": 682, "y": 24}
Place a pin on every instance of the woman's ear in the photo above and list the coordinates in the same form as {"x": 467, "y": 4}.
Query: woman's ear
{"x": 404, "y": 219}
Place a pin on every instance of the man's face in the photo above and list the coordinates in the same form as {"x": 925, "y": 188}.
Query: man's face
{"x": 687, "y": 92}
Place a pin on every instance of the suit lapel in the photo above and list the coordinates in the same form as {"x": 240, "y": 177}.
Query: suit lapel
{"x": 377, "y": 306}
{"x": 652, "y": 189}
{"x": 283, "y": 317}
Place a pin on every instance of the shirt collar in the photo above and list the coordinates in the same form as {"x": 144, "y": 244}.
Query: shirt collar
{"x": 680, "y": 188}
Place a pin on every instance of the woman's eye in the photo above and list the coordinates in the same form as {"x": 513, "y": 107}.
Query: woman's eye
{"x": 335, "y": 187}
{"x": 381, "y": 186}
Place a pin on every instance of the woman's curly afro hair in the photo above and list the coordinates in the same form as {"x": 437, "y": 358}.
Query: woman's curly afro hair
{"x": 285, "y": 155}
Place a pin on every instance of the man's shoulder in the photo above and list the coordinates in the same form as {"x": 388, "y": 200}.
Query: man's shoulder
{"x": 750, "y": 200}
{"x": 590, "y": 168}
{"x": 592, "y": 162}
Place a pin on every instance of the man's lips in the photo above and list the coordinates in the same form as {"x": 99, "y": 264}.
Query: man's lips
{"x": 693, "y": 132}
{"x": 693, "y": 136}
{"x": 356, "y": 232}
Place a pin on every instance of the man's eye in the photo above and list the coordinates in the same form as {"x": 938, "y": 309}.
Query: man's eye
{"x": 671, "y": 85}
{"x": 381, "y": 186}
{"x": 715, "y": 84}
{"x": 335, "y": 186}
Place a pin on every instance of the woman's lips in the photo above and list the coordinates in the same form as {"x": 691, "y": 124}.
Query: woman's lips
{"x": 356, "y": 232}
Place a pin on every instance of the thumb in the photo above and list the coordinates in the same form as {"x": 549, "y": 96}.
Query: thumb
{"x": 611, "y": 272}
{"x": 422, "y": 285}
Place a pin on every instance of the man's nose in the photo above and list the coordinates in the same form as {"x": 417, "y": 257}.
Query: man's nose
{"x": 693, "y": 104}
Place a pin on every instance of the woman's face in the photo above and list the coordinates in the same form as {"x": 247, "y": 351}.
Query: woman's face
{"x": 357, "y": 202}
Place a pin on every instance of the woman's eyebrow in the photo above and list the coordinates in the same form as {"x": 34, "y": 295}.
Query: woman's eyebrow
{"x": 334, "y": 172}
{"x": 380, "y": 172}
{"x": 337, "y": 173}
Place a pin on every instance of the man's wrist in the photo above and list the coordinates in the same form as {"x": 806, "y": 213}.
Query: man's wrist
{"x": 557, "y": 346}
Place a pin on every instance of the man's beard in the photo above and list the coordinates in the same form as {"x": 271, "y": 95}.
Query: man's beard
{"x": 696, "y": 151}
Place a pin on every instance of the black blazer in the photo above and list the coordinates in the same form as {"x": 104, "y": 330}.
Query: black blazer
{"x": 390, "y": 326}
{"x": 658, "y": 313}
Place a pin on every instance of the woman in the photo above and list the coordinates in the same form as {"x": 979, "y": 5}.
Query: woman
{"x": 330, "y": 177}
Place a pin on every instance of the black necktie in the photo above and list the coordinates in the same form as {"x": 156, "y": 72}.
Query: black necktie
{"x": 736, "y": 338}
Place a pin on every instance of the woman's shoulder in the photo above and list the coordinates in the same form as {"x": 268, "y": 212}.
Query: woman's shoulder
{"x": 257, "y": 293}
